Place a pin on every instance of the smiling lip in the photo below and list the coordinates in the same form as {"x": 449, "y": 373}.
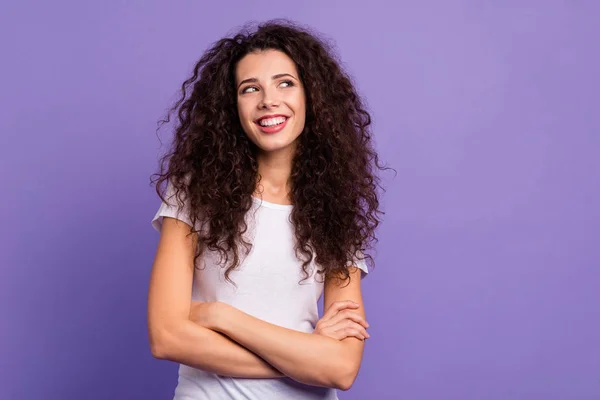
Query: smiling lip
{"x": 271, "y": 129}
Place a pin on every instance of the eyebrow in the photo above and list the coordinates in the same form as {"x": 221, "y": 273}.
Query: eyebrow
{"x": 254, "y": 80}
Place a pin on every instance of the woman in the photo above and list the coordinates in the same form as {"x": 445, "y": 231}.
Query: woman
{"x": 270, "y": 202}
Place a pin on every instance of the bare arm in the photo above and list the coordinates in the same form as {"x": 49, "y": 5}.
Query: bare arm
{"x": 173, "y": 336}
{"x": 311, "y": 359}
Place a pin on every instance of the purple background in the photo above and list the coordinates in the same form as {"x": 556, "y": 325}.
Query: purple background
{"x": 487, "y": 283}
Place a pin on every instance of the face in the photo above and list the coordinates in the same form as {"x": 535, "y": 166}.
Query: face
{"x": 270, "y": 99}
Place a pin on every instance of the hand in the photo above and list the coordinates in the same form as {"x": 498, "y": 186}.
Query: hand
{"x": 340, "y": 322}
{"x": 204, "y": 313}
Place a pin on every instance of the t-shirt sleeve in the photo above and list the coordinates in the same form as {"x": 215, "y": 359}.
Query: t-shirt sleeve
{"x": 171, "y": 208}
{"x": 360, "y": 263}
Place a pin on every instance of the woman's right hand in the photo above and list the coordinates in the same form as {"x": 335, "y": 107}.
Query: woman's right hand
{"x": 340, "y": 322}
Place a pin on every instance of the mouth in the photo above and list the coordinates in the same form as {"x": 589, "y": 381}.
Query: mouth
{"x": 272, "y": 123}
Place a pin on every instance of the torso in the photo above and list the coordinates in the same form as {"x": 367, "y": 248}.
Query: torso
{"x": 268, "y": 286}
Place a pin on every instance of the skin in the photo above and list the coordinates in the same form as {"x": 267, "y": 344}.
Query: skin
{"x": 268, "y": 83}
{"x": 219, "y": 338}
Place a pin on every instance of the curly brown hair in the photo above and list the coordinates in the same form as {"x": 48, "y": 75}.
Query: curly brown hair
{"x": 334, "y": 188}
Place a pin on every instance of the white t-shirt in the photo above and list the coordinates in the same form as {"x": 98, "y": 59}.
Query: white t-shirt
{"x": 268, "y": 287}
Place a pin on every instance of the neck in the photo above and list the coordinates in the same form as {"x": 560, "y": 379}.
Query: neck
{"x": 275, "y": 169}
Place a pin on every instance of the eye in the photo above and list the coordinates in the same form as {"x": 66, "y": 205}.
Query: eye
{"x": 248, "y": 89}
{"x": 287, "y": 83}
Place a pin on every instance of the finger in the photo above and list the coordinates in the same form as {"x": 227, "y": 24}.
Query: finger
{"x": 348, "y": 324}
{"x": 337, "y": 306}
{"x": 356, "y": 326}
{"x": 351, "y": 332}
{"x": 347, "y": 314}
{"x": 341, "y": 304}
{"x": 343, "y": 332}
{"x": 337, "y": 335}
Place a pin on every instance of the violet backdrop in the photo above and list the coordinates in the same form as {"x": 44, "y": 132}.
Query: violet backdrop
{"x": 487, "y": 270}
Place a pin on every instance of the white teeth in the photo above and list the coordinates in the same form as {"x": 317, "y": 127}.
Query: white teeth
{"x": 272, "y": 121}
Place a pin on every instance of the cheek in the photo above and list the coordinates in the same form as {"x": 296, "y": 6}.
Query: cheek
{"x": 301, "y": 112}
{"x": 301, "y": 105}
{"x": 243, "y": 115}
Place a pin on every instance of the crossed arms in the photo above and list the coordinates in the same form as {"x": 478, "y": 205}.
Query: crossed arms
{"x": 219, "y": 338}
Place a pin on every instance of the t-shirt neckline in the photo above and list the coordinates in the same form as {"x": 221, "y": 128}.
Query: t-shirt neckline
{"x": 272, "y": 205}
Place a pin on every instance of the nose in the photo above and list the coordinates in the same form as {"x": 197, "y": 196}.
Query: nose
{"x": 269, "y": 99}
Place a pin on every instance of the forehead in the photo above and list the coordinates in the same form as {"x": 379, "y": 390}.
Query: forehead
{"x": 264, "y": 64}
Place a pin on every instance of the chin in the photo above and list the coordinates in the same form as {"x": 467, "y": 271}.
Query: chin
{"x": 273, "y": 144}
{"x": 273, "y": 147}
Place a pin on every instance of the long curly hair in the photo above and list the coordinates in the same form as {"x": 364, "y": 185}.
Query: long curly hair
{"x": 213, "y": 165}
